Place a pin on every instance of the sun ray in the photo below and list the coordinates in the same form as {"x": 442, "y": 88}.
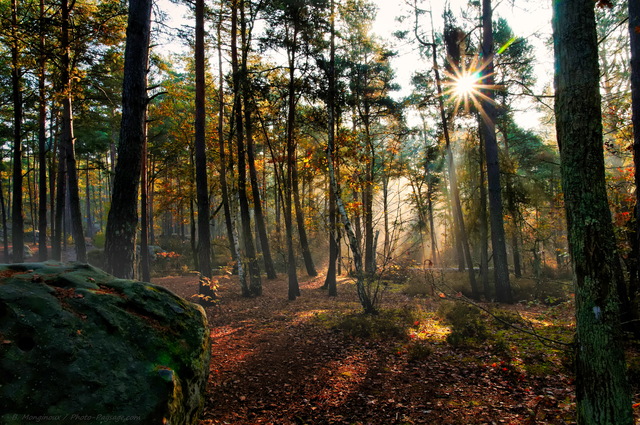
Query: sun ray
{"x": 465, "y": 87}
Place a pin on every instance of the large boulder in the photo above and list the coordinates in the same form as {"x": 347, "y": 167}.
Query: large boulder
{"x": 78, "y": 346}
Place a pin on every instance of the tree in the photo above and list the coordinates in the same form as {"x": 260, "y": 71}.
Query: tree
{"x": 239, "y": 68}
{"x": 371, "y": 84}
{"x": 294, "y": 26}
{"x": 634, "y": 41}
{"x": 603, "y": 393}
{"x": 17, "y": 219}
{"x": 330, "y": 280}
{"x": 487, "y": 125}
{"x": 249, "y": 107}
{"x": 458, "y": 218}
{"x": 513, "y": 74}
{"x": 226, "y": 204}
{"x": 42, "y": 139}
{"x": 67, "y": 141}
{"x": 123, "y": 215}
{"x": 202, "y": 186}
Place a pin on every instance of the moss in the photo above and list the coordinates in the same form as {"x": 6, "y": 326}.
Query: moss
{"x": 81, "y": 341}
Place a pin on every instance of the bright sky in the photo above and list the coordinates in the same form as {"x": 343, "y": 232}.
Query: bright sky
{"x": 530, "y": 19}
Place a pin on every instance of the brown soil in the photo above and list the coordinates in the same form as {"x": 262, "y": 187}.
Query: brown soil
{"x": 275, "y": 362}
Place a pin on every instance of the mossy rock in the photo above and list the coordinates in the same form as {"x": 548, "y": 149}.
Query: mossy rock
{"x": 80, "y": 346}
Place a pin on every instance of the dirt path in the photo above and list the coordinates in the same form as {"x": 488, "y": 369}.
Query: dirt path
{"x": 275, "y": 362}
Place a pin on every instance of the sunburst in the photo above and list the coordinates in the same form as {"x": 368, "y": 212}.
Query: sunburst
{"x": 465, "y": 86}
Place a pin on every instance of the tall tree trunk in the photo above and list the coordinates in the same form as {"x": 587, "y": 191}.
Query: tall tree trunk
{"x": 17, "y": 218}
{"x": 367, "y": 199}
{"x": 487, "y": 124}
{"x": 603, "y": 393}
{"x": 145, "y": 261}
{"x": 385, "y": 211}
{"x": 150, "y": 209}
{"x": 294, "y": 288}
{"x": 330, "y": 281}
{"x": 5, "y": 233}
{"x": 302, "y": 231}
{"x": 61, "y": 196}
{"x": 226, "y": 201}
{"x": 202, "y": 186}
{"x": 634, "y": 41}
{"x": 87, "y": 201}
{"x": 261, "y": 227}
{"x": 123, "y": 216}
{"x": 239, "y": 74}
{"x": 432, "y": 227}
{"x": 68, "y": 139}
{"x": 453, "y": 181}
{"x": 30, "y": 190}
{"x": 361, "y": 289}
{"x": 247, "y": 103}
{"x": 53, "y": 173}
{"x": 515, "y": 214}
{"x": 484, "y": 230}
{"x": 42, "y": 144}
{"x": 512, "y": 207}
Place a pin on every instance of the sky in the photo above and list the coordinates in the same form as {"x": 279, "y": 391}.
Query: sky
{"x": 530, "y": 19}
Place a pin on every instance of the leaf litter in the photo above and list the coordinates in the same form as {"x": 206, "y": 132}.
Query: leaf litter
{"x": 279, "y": 362}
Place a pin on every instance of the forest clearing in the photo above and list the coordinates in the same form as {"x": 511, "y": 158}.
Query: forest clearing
{"x": 319, "y": 360}
{"x": 461, "y": 181}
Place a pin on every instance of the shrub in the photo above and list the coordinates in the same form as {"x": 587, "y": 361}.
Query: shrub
{"x": 98, "y": 240}
{"x": 423, "y": 283}
{"x": 418, "y": 351}
{"x": 387, "y": 324}
{"x": 466, "y": 322}
{"x": 398, "y": 270}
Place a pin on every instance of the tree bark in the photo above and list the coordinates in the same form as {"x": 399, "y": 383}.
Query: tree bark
{"x": 68, "y": 139}
{"x": 367, "y": 200}
{"x": 221, "y": 148}
{"x": 261, "y": 227}
{"x": 634, "y": 42}
{"x": 484, "y": 230}
{"x": 330, "y": 280}
{"x": 603, "y": 393}
{"x": 365, "y": 300}
{"x": 5, "y": 236}
{"x": 202, "y": 186}
{"x": 487, "y": 126}
{"x": 61, "y": 195}
{"x": 294, "y": 288}
{"x": 123, "y": 216}
{"x": 42, "y": 144}
{"x": 239, "y": 74}
{"x": 453, "y": 182}
{"x": 302, "y": 231}
{"x": 17, "y": 218}
{"x": 145, "y": 261}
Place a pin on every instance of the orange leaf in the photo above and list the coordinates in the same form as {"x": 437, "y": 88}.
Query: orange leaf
{"x": 442, "y": 295}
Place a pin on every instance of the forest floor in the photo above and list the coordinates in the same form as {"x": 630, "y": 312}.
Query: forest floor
{"x": 317, "y": 360}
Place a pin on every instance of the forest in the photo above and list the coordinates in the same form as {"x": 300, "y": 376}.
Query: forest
{"x": 265, "y": 156}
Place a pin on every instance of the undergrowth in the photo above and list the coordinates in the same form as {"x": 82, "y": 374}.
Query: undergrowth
{"x": 387, "y": 324}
